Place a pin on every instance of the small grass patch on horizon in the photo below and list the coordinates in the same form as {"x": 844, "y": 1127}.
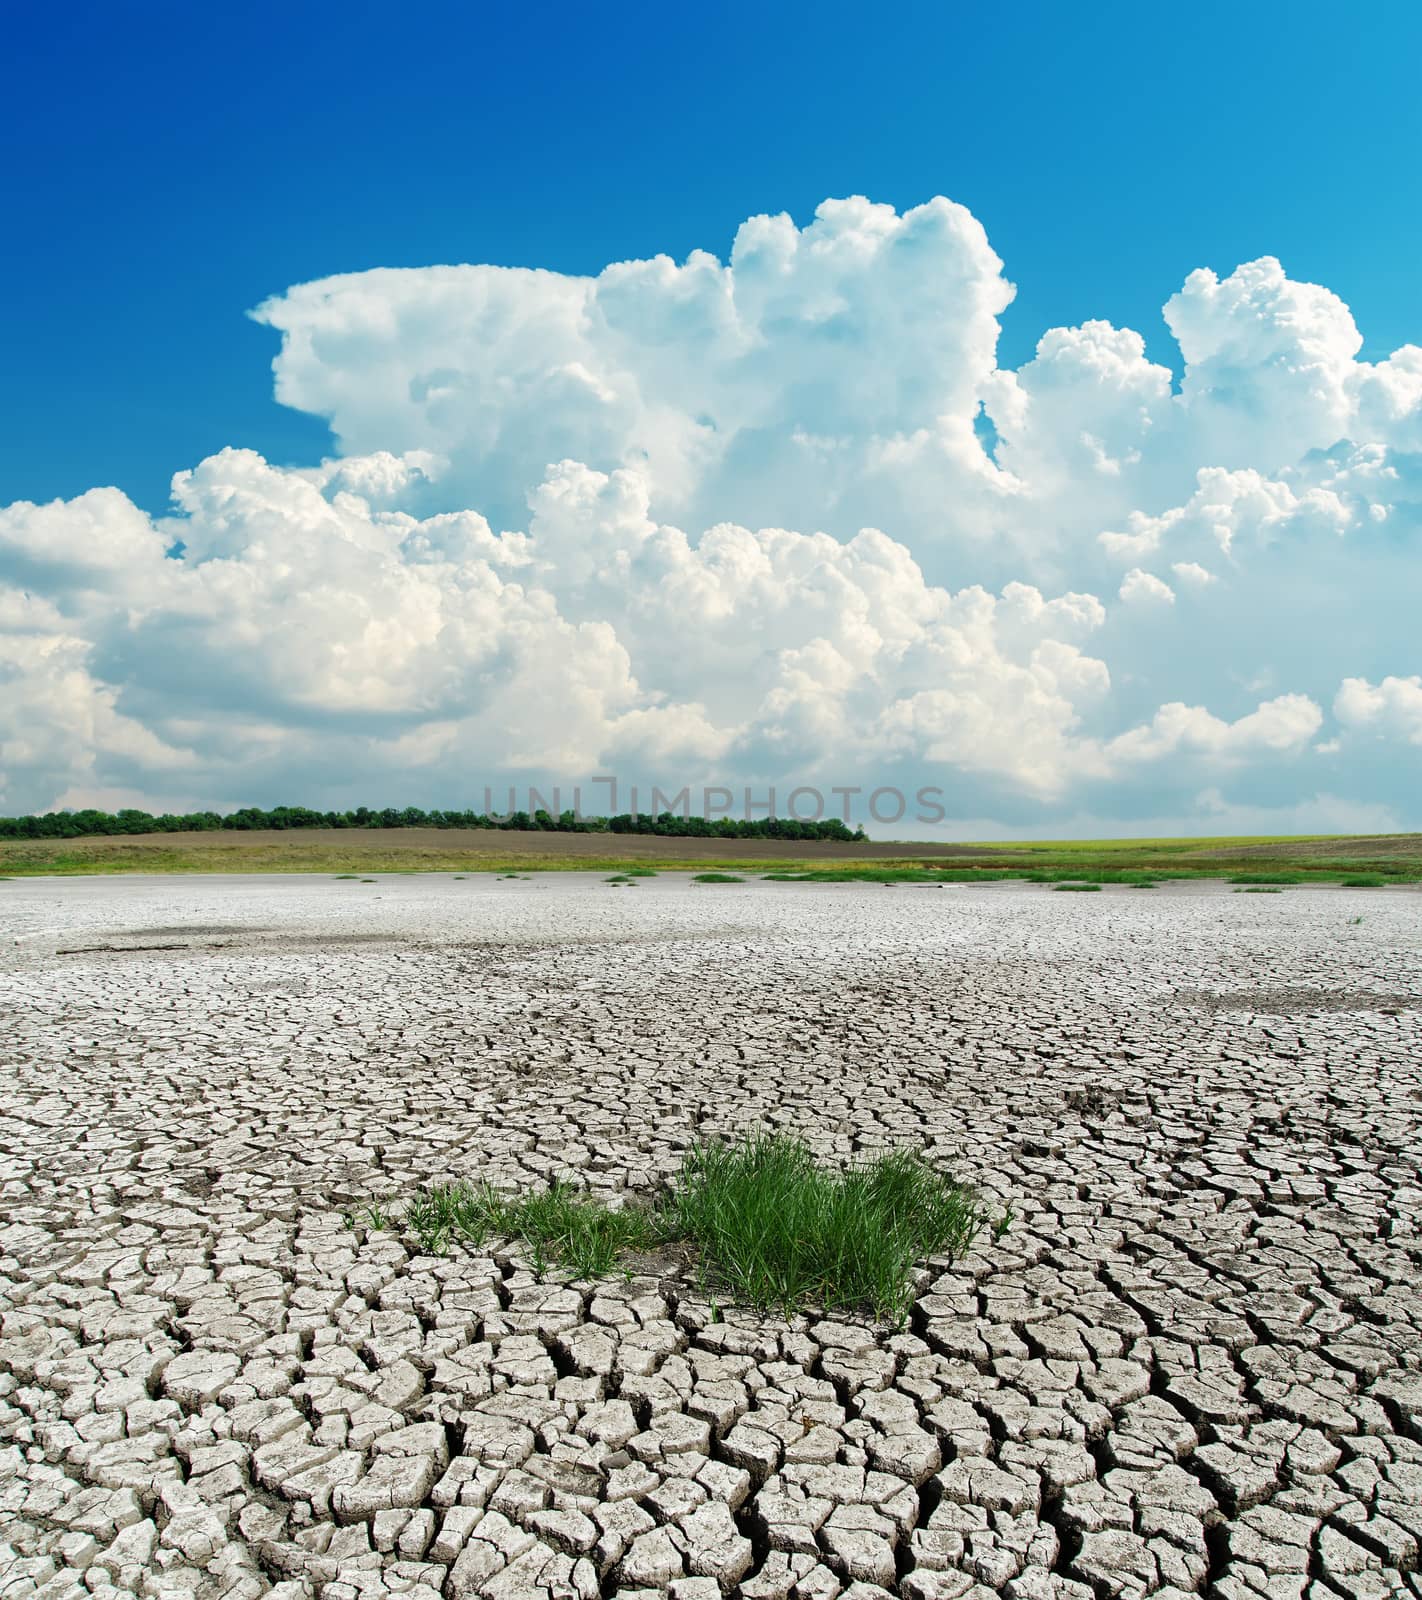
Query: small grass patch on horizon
{"x": 1077, "y": 888}
{"x": 717, "y": 877}
{"x": 1370, "y": 880}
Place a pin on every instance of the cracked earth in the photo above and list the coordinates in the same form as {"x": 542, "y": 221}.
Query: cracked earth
{"x": 1192, "y": 1364}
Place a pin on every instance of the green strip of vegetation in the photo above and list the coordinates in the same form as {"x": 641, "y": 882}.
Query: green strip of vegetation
{"x": 1370, "y": 880}
{"x": 404, "y": 845}
{"x": 1077, "y": 888}
{"x": 717, "y": 877}
{"x": 957, "y": 874}
{"x": 766, "y": 1224}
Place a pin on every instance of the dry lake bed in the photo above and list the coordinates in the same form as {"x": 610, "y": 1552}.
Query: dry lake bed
{"x": 1191, "y": 1363}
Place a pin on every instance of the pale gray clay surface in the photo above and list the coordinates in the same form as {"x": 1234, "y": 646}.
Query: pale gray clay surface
{"x": 1192, "y": 1364}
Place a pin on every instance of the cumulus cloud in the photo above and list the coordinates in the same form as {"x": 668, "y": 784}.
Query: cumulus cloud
{"x": 1141, "y": 588}
{"x": 1280, "y": 726}
{"x": 762, "y": 389}
{"x": 1392, "y": 708}
{"x": 1192, "y": 572}
{"x": 737, "y": 522}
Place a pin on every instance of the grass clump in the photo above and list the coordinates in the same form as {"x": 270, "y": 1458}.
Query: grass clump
{"x": 1369, "y": 880}
{"x": 781, "y": 1232}
{"x": 1267, "y": 877}
{"x": 765, "y": 1222}
{"x": 717, "y": 877}
{"x": 1077, "y": 888}
{"x": 348, "y": 877}
{"x": 372, "y": 1215}
{"x": 1260, "y": 888}
{"x": 562, "y": 1224}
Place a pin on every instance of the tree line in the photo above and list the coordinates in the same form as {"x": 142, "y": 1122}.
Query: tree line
{"x": 80, "y": 824}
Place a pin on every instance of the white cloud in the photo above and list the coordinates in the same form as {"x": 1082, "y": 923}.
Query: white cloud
{"x": 1268, "y": 364}
{"x": 1280, "y": 726}
{"x": 1192, "y": 573}
{"x": 760, "y": 389}
{"x": 721, "y": 521}
{"x": 59, "y": 726}
{"x": 1392, "y": 708}
{"x": 1228, "y": 507}
{"x": 1139, "y": 588}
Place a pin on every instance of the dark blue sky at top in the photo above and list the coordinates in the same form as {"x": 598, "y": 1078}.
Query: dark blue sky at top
{"x": 167, "y": 166}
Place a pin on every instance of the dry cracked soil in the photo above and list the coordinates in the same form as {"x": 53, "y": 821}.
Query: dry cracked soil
{"x": 1192, "y": 1364}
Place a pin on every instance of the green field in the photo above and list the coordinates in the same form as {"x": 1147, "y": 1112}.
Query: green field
{"x": 1387, "y": 858}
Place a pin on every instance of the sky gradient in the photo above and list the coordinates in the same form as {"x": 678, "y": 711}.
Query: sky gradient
{"x": 176, "y": 169}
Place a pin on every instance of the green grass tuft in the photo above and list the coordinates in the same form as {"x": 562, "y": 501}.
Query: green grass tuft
{"x": 781, "y": 1232}
{"x": 767, "y": 1223}
{"x": 717, "y": 877}
{"x": 1370, "y": 880}
{"x": 372, "y": 1215}
{"x": 561, "y": 1225}
{"x": 1260, "y": 888}
{"x": 1077, "y": 888}
{"x": 1267, "y": 877}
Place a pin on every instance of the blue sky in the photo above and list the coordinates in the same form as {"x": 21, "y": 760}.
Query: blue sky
{"x": 172, "y": 165}
{"x": 1023, "y": 404}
